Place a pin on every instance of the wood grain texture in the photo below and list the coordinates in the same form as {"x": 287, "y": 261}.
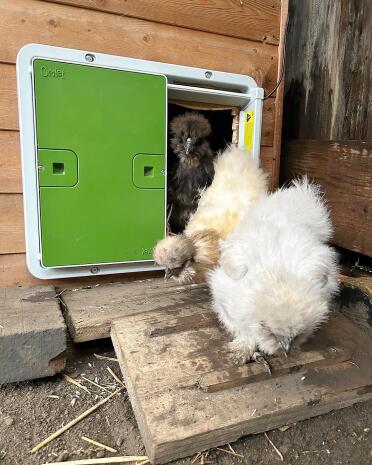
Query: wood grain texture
{"x": 90, "y": 312}
{"x": 14, "y": 272}
{"x": 329, "y": 69}
{"x": 32, "y": 334}
{"x": 25, "y": 21}
{"x": 12, "y": 224}
{"x": 8, "y": 97}
{"x": 167, "y": 374}
{"x": 250, "y": 19}
{"x": 279, "y": 97}
{"x": 344, "y": 170}
{"x": 267, "y": 163}
{"x": 268, "y": 117}
{"x": 231, "y": 376}
{"x": 10, "y": 163}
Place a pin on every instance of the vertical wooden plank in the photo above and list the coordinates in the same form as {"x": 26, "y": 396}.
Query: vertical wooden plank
{"x": 279, "y": 99}
{"x": 329, "y": 69}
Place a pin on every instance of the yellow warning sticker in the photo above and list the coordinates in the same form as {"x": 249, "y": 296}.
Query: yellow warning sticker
{"x": 248, "y": 130}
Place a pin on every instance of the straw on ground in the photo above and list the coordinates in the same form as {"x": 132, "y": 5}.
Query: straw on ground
{"x": 76, "y": 420}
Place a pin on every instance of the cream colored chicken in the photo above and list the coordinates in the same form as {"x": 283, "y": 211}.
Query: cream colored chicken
{"x": 237, "y": 183}
{"x": 277, "y": 274}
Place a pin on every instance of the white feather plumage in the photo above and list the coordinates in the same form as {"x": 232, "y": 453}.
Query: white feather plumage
{"x": 276, "y": 274}
{"x": 238, "y": 182}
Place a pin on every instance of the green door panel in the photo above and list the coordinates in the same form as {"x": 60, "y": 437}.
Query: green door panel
{"x": 148, "y": 171}
{"x": 105, "y": 117}
{"x": 57, "y": 168}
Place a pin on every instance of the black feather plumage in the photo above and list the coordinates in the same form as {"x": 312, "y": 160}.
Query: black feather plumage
{"x": 193, "y": 170}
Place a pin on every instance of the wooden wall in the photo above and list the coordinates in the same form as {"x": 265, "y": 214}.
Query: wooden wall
{"x": 239, "y": 36}
{"x": 328, "y": 110}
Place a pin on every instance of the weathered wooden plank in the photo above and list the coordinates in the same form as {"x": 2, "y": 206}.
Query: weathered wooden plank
{"x": 267, "y": 163}
{"x": 32, "y": 334}
{"x": 344, "y": 170}
{"x": 8, "y": 97}
{"x": 252, "y": 373}
{"x": 27, "y": 21}
{"x": 12, "y": 224}
{"x": 268, "y": 117}
{"x": 89, "y": 312}
{"x": 254, "y": 20}
{"x": 328, "y": 71}
{"x": 164, "y": 376}
{"x": 10, "y": 163}
{"x": 279, "y": 98}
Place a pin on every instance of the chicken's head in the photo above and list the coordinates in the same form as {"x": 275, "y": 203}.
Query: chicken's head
{"x": 175, "y": 254}
{"x": 188, "y": 133}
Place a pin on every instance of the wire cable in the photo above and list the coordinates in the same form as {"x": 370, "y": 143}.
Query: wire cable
{"x": 283, "y": 63}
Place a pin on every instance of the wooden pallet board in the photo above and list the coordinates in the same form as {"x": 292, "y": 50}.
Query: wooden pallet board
{"x": 188, "y": 395}
{"x": 32, "y": 334}
{"x": 90, "y": 311}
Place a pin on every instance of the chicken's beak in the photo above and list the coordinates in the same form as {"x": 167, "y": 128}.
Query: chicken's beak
{"x": 188, "y": 145}
{"x": 285, "y": 343}
{"x": 168, "y": 274}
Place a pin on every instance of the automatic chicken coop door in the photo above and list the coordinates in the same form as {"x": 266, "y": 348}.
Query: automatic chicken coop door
{"x": 94, "y": 142}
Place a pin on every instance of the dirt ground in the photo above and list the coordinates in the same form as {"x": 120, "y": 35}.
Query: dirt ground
{"x": 30, "y": 411}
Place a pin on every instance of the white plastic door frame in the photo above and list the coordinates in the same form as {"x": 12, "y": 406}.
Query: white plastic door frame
{"x": 186, "y": 83}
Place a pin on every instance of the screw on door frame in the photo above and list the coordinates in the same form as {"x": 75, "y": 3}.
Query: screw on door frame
{"x": 94, "y": 270}
{"x": 90, "y": 57}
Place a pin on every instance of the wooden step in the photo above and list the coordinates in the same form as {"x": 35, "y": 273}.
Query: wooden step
{"x": 188, "y": 395}
{"x": 32, "y": 334}
{"x": 90, "y": 311}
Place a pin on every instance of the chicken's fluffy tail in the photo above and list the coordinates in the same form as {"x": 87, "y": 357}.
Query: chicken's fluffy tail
{"x": 238, "y": 165}
{"x": 309, "y": 201}
{"x": 238, "y": 182}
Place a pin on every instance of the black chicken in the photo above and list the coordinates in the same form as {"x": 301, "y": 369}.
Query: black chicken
{"x": 193, "y": 171}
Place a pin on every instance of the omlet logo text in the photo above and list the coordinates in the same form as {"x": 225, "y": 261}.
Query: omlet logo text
{"x": 52, "y": 72}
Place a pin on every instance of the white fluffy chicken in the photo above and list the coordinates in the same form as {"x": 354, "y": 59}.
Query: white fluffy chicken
{"x": 276, "y": 274}
{"x": 237, "y": 183}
